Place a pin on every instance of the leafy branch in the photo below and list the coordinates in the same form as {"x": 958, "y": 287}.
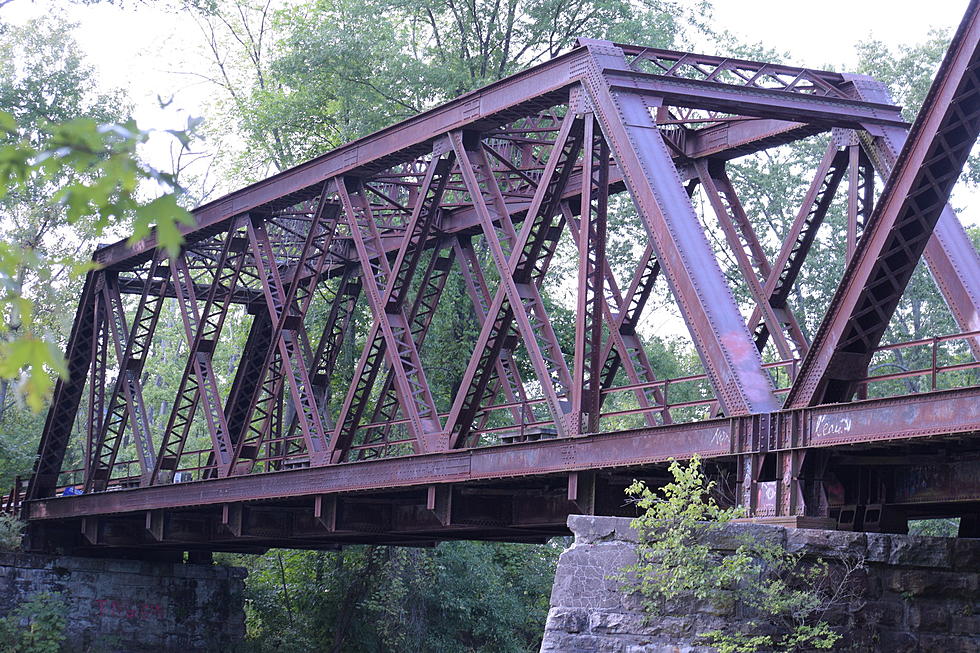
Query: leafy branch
{"x": 99, "y": 183}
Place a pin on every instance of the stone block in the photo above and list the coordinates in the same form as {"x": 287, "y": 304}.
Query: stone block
{"x": 878, "y": 548}
{"x": 826, "y": 544}
{"x": 667, "y": 648}
{"x": 567, "y": 620}
{"x": 593, "y": 529}
{"x": 587, "y": 576}
{"x": 915, "y": 582}
{"x": 81, "y": 591}
{"x": 908, "y": 596}
{"x": 733, "y": 535}
{"x": 198, "y": 571}
{"x": 965, "y": 624}
{"x": 966, "y": 554}
{"x": 126, "y": 605}
{"x": 562, "y": 643}
{"x": 670, "y": 628}
{"x": 949, "y": 643}
{"x": 615, "y": 622}
{"x": 915, "y": 551}
{"x": 897, "y": 641}
{"x": 928, "y": 616}
{"x": 123, "y": 566}
{"x": 721, "y": 605}
{"x": 888, "y": 614}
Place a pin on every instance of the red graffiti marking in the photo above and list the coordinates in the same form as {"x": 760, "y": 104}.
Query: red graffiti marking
{"x": 130, "y": 610}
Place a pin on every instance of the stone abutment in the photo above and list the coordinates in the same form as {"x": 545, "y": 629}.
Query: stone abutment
{"x": 132, "y": 606}
{"x": 913, "y": 593}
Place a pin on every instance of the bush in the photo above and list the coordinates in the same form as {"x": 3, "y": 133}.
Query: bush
{"x": 11, "y": 533}
{"x": 782, "y": 597}
{"x": 36, "y": 626}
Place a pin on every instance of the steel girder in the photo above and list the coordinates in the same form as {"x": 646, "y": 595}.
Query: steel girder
{"x": 950, "y": 253}
{"x": 895, "y": 419}
{"x": 703, "y": 296}
{"x": 900, "y": 228}
{"x": 488, "y": 183}
{"x": 202, "y": 327}
{"x": 547, "y": 85}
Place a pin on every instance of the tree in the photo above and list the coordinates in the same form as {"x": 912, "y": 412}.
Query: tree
{"x": 302, "y": 80}
{"x": 69, "y": 174}
{"x": 455, "y": 597}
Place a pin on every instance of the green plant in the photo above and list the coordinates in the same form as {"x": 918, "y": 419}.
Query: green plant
{"x": 36, "y": 626}
{"x": 11, "y": 533}
{"x": 781, "y": 598}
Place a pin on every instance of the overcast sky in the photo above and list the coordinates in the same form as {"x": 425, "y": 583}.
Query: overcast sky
{"x": 145, "y": 49}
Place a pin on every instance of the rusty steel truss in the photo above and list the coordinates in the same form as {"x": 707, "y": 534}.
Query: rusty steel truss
{"x": 357, "y": 248}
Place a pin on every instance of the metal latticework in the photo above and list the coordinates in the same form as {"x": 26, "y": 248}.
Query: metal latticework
{"x": 327, "y": 427}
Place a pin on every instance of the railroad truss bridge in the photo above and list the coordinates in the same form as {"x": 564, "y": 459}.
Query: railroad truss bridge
{"x": 324, "y": 427}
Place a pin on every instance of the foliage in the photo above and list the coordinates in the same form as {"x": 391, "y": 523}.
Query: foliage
{"x": 78, "y": 164}
{"x": 11, "y": 532}
{"x": 783, "y": 595}
{"x": 934, "y": 527}
{"x": 307, "y": 78}
{"x": 36, "y": 626}
{"x": 455, "y": 597}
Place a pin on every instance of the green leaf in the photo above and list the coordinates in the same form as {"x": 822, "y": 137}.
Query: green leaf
{"x": 33, "y": 355}
{"x": 167, "y": 214}
{"x": 7, "y": 123}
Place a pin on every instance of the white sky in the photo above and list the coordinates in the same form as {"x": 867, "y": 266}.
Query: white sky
{"x": 818, "y": 32}
{"x": 149, "y": 51}
{"x": 144, "y": 49}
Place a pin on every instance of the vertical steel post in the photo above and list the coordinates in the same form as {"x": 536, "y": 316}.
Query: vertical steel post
{"x": 586, "y": 386}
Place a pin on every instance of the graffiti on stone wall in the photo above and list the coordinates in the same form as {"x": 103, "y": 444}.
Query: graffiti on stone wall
{"x": 129, "y": 609}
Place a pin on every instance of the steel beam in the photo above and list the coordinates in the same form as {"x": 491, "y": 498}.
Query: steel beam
{"x": 900, "y": 227}
{"x": 517, "y": 300}
{"x": 386, "y": 287}
{"x": 916, "y": 417}
{"x": 202, "y": 327}
{"x": 950, "y": 254}
{"x": 799, "y": 239}
{"x": 587, "y": 385}
{"x": 541, "y": 86}
{"x": 752, "y": 101}
{"x": 125, "y": 404}
{"x": 744, "y": 245}
{"x": 67, "y": 392}
{"x": 508, "y": 376}
{"x": 732, "y": 362}
{"x": 419, "y": 315}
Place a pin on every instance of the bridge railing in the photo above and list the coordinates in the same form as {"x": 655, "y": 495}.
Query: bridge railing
{"x": 10, "y": 503}
{"x": 924, "y": 365}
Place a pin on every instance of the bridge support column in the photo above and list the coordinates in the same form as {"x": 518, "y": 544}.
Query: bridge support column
{"x": 912, "y": 594}
{"x": 131, "y": 605}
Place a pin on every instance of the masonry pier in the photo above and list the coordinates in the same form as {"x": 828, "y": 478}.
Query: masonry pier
{"x": 916, "y": 593}
{"x": 132, "y": 606}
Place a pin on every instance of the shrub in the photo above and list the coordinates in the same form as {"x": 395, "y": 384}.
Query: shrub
{"x": 36, "y": 626}
{"x": 11, "y": 533}
{"x": 781, "y": 597}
